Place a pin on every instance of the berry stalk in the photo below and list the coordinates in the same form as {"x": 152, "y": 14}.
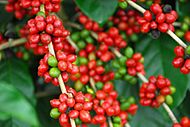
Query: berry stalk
{"x": 12, "y": 43}
{"x": 61, "y": 83}
{"x": 169, "y": 32}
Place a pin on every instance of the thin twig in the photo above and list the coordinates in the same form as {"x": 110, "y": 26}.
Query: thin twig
{"x": 127, "y": 125}
{"x": 92, "y": 83}
{"x": 170, "y": 113}
{"x": 136, "y": 6}
{"x": 110, "y": 122}
{"x": 12, "y": 43}
{"x": 72, "y": 43}
{"x": 74, "y": 25}
{"x": 3, "y": 2}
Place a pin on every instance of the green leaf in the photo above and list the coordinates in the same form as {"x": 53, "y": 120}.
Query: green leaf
{"x": 149, "y": 117}
{"x": 158, "y": 56}
{"x": 16, "y": 106}
{"x": 98, "y": 10}
{"x": 15, "y": 72}
{"x": 11, "y": 122}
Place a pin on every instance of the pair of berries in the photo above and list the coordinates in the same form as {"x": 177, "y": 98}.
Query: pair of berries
{"x": 77, "y": 107}
{"x": 31, "y": 7}
{"x": 112, "y": 38}
{"x": 42, "y": 31}
{"x": 126, "y": 21}
{"x": 156, "y": 91}
{"x": 182, "y": 60}
{"x": 185, "y": 122}
{"x": 158, "y": 19}
{"x": 51, "y": 68}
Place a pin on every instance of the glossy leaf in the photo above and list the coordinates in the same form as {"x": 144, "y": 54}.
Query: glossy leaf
{"x": 98, "y": 10}
{"x": 158, "y": 56}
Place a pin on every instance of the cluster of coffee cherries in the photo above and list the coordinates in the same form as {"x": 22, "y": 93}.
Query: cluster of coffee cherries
{"x": 51, "y": 68}
{"x": 77, "y": 107}
{"x": 43, "y": 30}
{"x": 135, "y": 64}
{"x": 120, "y": 69}
{"x": 81, "y": 38}
{"x": 31, "y": 7}
{"x": 185, "y": 122}
{"x": 156, "y": 91}
{"x": 126, "y": 21}
{"x": 112, "y": 38}
{"x": 182, "y": 60}
{"x": 88, "y": 23}
{"x": 158, "y": 19}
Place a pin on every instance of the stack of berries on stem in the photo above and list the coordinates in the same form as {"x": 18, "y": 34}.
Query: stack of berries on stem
{"x": 51, "y": 68}
{"x": 126, "y": 21}
{"x": 88, "y": 23}
{"x": 128, "y": 66}
{"x": 182, "y": 60}
{"x": 82, "y": 38}
{"x": 2, "y": 40}
{"x": 158, "y": 19}
{"x": 77, "y": 107}
{"x": 43, "y": 31}
{"x": 156, "y": 91}
{"x": 31, "y": 7}
{"x": 185, "y": 122}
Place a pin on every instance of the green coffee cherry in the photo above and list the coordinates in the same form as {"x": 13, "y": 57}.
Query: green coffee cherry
{"x": 78, "y": 121}
{"x": 123, "y": 5}
{"x": 89, "y": 39}
{"x": 116, "y": 125}
{"x": 78, "y": 85}
{"x": 185, "y": 27}
{"x": 149, "y": 3}
{"x": 124, "y": 106}
{"x": 81, "y": 44}
{"x": 129, "y": 52}
{"x": 52, "y": 61}
{"x": 117, "y": 75}
{"x": 99, "y": 63}
{"x": 115, "y": 64}
{"x": 173, "y": 89}
{"x": 131, "y": 100}
{"x": 124, "y": 36}
{"x": 187, "y": 50}
{"x": 134, "y": 38}
{"x": 122, "y": 70}
{"x": 128, "y": 77}
{"x": 75, "y": 36}
{"x": 133, "y": 81}
{"x": 54, "y": 72}
{"x": 179, "y": 33}
{"x": 117, "y": 119}
{"x": 110, "y": 23}
{"x": 54, "y": 113}
{"x": 84, "y": 33}
{"x": 122, "y": 60}
{"x": 26, "y": 56}
{"x": 83, "y": 61}
{"x": 90, "y": 91}
{"x": 99, "y": 85}
{"x": 169, "y": 99}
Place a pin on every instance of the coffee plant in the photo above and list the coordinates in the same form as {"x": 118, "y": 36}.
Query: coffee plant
{"x": 88, "y": 63}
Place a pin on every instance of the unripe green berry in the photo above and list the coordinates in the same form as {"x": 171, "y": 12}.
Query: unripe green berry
{"x": 89, "y": 39}
{"x": 83, "y": 61}
{"x": 124, "y": 106}
{"x": 26, "y": 56}
{"x": 123, "y": 5}
{"x": 115, "y": 64}
{"x": 40, "y": 13}
{"x": 99, "y": 85}
{"x": 117, "y": 75}
{"x": 129, "y": 52}
{"x": 169, "y": 99}
{"x": 54, "y": 72}
{"x": 90, "y": 91}
{"x": 131, "y": 100}
{"x": 134, "y": 37}
{"x": 110, "y": 23}
{"x": 75, "y": 36}
{"x": 52, "y": 61}
{"x": 128, "y": 77}
{"x": 54, "y": 113}
{"x": 187, "y": 50}
{"x": 92, "y": 56}
{"x": 78, "y": 121}
{"x": 99, "y": 63}
{"x": 185, "y": 27}
{"x": 179, "y": 33}
{"x": 116, "y": 125}
{"x": 78, "y": 85}
{"x": 81, "y": 44}
{"x": 173, "y": 89}
{"x": 116, "y": 119}
{"x": 122, "y": 70}
{"x": 122, "y": 60}
{"x": 133, "y": 81}
{"x": 84, "y": 33}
